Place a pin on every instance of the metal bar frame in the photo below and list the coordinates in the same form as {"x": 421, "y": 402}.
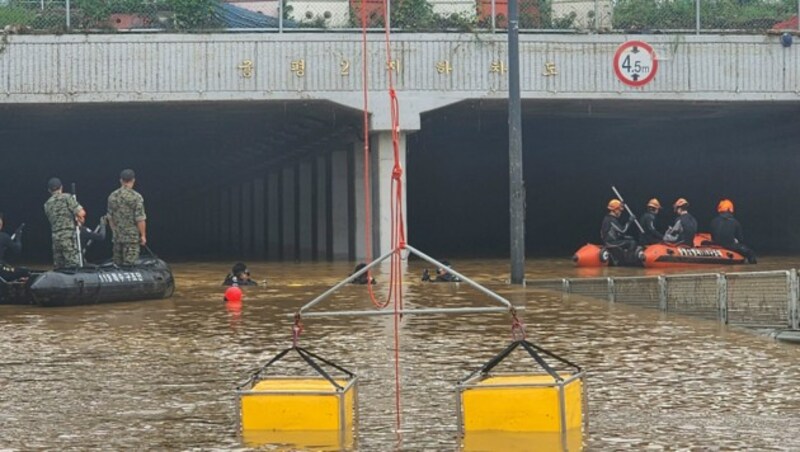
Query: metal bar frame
{"x": 612, "y": 293}
{"x": 345, "y": 281}
{"x": 420, "y": 311}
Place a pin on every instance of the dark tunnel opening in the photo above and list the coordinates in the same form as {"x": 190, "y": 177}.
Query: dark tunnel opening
{"x": 574, "y": 151}
{"x": 457, "y": 169}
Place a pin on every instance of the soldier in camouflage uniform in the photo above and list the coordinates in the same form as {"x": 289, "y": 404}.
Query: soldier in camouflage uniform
{"x": 62, "y": 209}
{"x": 127, "y": 220}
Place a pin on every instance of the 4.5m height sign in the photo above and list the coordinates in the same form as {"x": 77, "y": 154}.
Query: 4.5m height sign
{"x": 635, "y": 63}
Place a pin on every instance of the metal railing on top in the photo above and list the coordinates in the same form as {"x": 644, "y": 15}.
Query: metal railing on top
{"x": 750, "y": 299}
{"x": 599, "y": 16}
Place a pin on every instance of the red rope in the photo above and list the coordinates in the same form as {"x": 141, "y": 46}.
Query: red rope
{"x": 398, "y": 239}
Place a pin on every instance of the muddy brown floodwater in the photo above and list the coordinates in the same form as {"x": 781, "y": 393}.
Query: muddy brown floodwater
{"x": 161, "y": 374}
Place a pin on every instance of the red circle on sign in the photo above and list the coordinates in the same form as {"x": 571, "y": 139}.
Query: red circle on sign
{"x": 625, "y": 79}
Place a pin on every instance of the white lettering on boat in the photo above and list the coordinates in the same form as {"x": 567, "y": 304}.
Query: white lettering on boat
{"x": 121, "y": 277}
{"x": 699, "y": 252}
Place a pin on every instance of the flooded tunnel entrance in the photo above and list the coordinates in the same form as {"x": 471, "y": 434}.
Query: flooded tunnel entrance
{"x": 280, "y": 180}
{"x": 186, "y": 156}
{"x": 574, "y": 151}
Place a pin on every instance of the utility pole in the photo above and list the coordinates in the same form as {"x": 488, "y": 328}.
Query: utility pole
{"x": 517, "y": 185}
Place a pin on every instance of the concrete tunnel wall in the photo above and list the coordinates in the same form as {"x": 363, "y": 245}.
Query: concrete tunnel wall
{"x": 209, "y": 195}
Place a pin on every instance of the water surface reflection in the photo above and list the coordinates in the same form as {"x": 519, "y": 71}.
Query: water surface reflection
{"x": 160, "y": 374}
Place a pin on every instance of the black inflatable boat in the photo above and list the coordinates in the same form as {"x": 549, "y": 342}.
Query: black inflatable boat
{"x": 149, "y": 279}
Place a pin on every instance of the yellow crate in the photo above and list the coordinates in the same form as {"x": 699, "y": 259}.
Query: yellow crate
{"x": 522, "y": 403}
{"x": 298, "y": 404}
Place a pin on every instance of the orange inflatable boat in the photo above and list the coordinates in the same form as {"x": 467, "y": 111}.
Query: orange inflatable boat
{"x": 661, "y": 255}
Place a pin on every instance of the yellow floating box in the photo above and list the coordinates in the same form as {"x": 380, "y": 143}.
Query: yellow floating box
{"x": 298, "y": 404}
{"x": 521, "y": 403}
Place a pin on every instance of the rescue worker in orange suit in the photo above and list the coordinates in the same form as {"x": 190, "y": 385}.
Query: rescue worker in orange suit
{"x": 685, "y": 227}
{"x": 612, "y": 233}
{"x": 648, "y": 222}
{"x": 726, "y": 231}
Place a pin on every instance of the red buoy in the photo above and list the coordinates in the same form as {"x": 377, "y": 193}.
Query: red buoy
{"x": 233, "y": 294}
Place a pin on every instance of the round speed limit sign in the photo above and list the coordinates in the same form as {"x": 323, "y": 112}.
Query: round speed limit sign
{"x": 635, "y": 63}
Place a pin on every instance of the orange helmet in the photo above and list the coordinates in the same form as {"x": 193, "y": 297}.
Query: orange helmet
{"x": 680, "y": 203}
{"x": 654, "y": 203}
{"x": 615, "y": 204}
{"x": 726, "y": 205}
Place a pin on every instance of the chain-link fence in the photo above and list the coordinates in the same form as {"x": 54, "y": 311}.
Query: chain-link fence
{"x": 751, "y": 299}
{"x": 601, "y": 16}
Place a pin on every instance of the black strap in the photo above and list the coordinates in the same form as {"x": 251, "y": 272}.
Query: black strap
{"x": 310, "y": 359}
{"x": 533, "y": 350}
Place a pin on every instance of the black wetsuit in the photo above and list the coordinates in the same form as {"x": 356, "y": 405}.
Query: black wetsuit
{"x": 683, "y": 231}
{"x": 651, "y": 234}
{"x": 229, "y": 281}
{"x": 612, "y": 233}
{"x": 726, "y": 231}
{"x": 7, "y": 272}
{"x": 440, "y": 277}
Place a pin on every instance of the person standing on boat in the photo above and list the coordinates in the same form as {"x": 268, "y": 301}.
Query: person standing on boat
{"x": 612, "y": 232}
{"x": 127, "y": 219}
{"x": 63, "y": 210}
{"x": 13, "y": 243}
{"x": 685, "y": 227}
{"x": 726, "y": 231}
{"x": 648, "y": 222}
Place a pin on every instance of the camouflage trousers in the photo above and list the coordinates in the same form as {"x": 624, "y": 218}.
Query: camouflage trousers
{"x": 126, "y": 253}
{"x": 65, "y": 250}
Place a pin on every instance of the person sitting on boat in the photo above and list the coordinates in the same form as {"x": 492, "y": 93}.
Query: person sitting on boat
{"x": 650, "y": 235}
{"x": 13, "y": 243}
{"x": 363, "y": 278}
{"x": 442, "y": 274}
{"x": 726, "y": 231}
{"x": 612, "y": 233}
{"x": 685, "y": 227}
{"x": 239, "y": 276}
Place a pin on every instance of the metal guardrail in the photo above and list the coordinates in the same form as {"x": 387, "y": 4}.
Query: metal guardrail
{"x": 599, "y": 16}
{"x": 750, "y": 299}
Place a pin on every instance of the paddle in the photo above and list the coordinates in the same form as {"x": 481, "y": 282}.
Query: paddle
{"x": 619, "y": 196}
{"x": 18, "y": 231}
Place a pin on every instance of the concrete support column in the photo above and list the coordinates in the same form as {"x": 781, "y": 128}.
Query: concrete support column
{"x": 304, "y": 204}
{"x": 259, "y": 228}
{"x": 359, "y": 209}
{"x": 247, "y": 219}
{"x": 273, "y": 216}
{"x": 382, "y": 166}
{"x": 323, "y": 208}
{"x": 340, "y": 205}
{"x": 288, "y": 212}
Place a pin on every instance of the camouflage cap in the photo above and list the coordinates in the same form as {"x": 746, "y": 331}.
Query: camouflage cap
{"x": 54, "y": 184}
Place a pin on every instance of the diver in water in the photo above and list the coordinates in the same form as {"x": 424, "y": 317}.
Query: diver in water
{"x": 726, "y": 231}
{"x": 364, "y": 278}
{"x": 442, "y": 275}
{"x": 88, "y": 235}
{"x": 14, "y": 244}
{"x": 239, "y": 276}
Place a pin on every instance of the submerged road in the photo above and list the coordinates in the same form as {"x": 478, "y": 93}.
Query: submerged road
{"x": 161, "y": 374}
